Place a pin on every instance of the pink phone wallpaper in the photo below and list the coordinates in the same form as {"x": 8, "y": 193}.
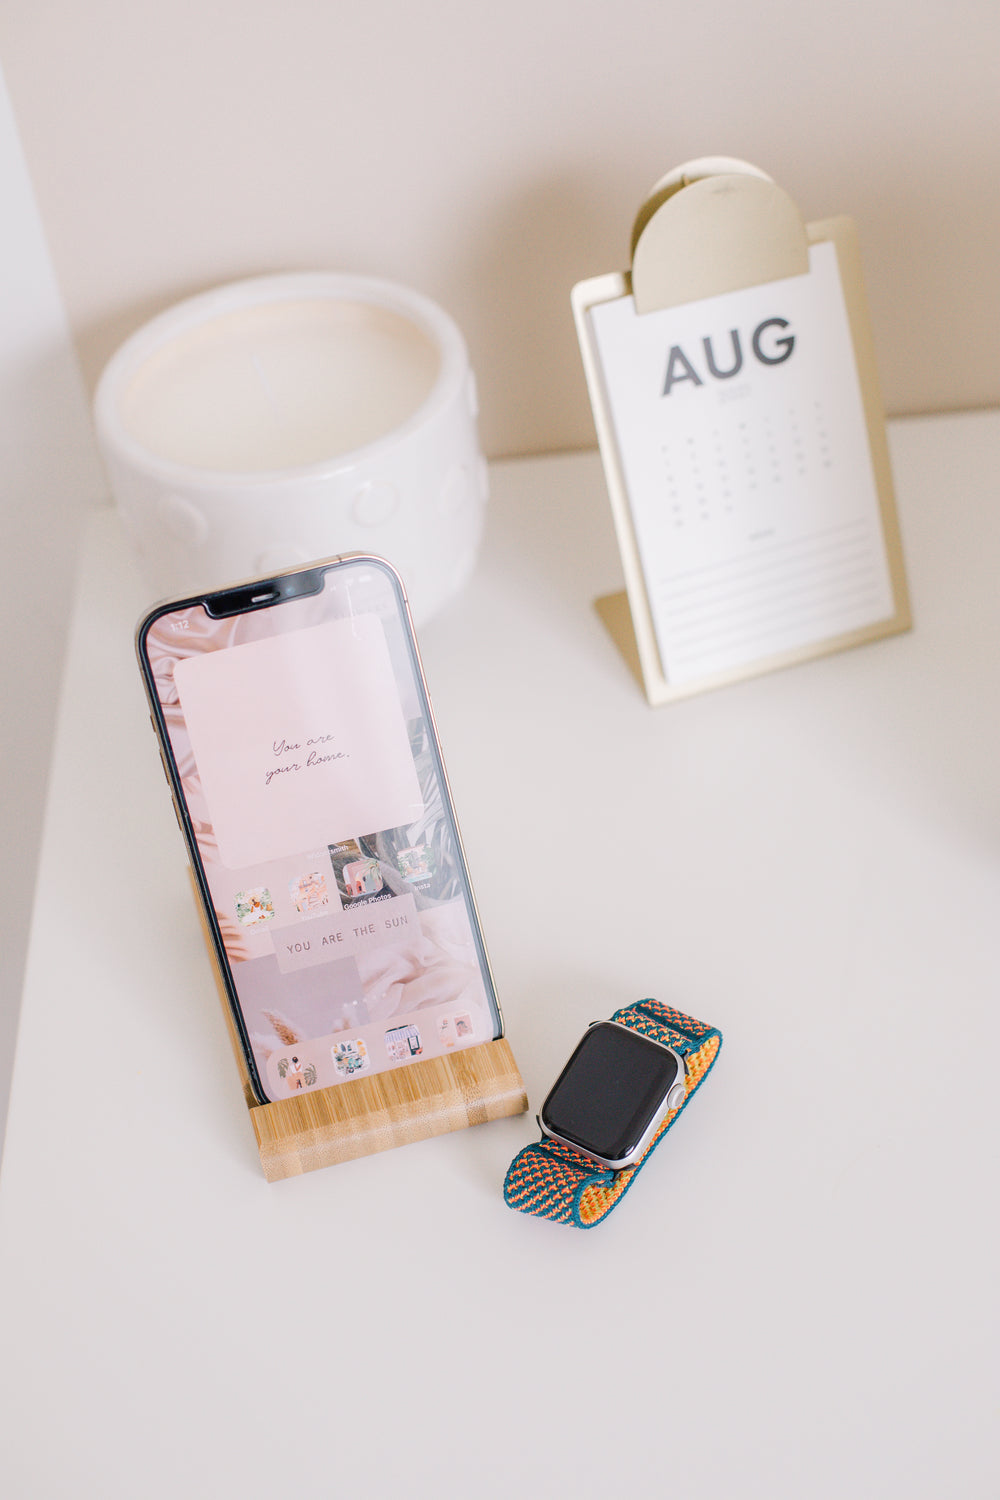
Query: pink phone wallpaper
{"x": 308, "y": 770}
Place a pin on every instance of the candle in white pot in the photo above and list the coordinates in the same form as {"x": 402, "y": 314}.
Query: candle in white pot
{"x": 291, "y": 417}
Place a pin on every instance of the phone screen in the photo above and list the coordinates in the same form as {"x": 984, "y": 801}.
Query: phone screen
{"x": 305, "y": 761}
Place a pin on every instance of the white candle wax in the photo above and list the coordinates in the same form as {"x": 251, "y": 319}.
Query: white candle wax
{"x": 279, "y": 385}
{"x": 288, "y": 418}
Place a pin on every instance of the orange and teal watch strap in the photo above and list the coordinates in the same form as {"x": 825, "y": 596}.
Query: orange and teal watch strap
{"x": 555, "y": 1181}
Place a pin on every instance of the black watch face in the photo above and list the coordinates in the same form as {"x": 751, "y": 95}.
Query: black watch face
{"x": 608, "y": 1093}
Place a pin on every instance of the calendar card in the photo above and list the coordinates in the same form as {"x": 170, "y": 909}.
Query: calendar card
{"x": 742, "y": 442}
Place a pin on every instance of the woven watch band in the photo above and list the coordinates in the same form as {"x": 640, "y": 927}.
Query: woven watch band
{"x": 557, "y": 1182}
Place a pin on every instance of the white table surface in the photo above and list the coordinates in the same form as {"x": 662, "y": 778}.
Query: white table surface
{"x": 798, "y": 1300}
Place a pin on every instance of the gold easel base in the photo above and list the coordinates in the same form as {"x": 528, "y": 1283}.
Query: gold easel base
{"x": 616, "y": 616}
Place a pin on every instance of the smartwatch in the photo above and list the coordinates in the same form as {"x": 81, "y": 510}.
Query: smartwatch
{"x": 624, "y": 1086}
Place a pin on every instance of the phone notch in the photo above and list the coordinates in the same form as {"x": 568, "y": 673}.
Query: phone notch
{"x": 264, "y": 592}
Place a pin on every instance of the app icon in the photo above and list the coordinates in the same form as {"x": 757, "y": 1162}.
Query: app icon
{"x": 309, "y": 893}
{"x": 297, "y": 1075}
{"x": 350, "y": 1058}
{"x": 403, "y": 1042}
{"x": 417, "y": 863}
{"x": 453, "y": 1029}
{"x": 357, "y": 871}
{"x": 445, "y": 1031}
{"x": 363, "y": 877}
{"x": 254, "y": 906}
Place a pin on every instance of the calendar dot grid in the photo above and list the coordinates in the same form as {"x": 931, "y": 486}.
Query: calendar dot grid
{"x": 755, "y": 463}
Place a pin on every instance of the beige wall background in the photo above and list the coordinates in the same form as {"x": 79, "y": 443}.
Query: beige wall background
{"x": 491, "y": 156}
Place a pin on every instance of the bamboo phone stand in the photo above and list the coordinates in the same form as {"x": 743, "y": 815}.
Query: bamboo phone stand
{"x": 430, "y": 1097}
{"x": 708, "y": 230}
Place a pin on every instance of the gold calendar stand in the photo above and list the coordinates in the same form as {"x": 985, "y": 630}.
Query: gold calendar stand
{"x": 430, "y": 1097}
{"x": 713, "y": 226}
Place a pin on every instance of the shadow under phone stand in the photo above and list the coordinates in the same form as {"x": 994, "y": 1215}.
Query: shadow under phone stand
{"x": 430, "y": 1097}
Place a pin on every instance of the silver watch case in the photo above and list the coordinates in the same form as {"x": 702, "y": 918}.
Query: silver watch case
{"x": 673, "y": 1099}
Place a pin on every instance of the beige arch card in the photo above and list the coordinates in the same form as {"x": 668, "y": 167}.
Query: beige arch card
{"x": 733, "y": 382}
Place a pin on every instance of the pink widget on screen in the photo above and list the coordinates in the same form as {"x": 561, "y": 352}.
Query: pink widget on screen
{"x": 312, "y": 720}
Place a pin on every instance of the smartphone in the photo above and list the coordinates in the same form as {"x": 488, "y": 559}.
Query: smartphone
{"x": 300, "y": 749}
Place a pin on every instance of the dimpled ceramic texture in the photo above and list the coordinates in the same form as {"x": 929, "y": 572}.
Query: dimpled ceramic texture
{"x": 212, "y": 490}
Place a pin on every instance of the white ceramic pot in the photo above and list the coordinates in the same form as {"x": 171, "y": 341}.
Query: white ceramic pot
{"x": 285, "y": 418}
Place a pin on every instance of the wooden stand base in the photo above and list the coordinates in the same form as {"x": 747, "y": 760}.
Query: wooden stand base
{"x": 365, "y": 1115}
